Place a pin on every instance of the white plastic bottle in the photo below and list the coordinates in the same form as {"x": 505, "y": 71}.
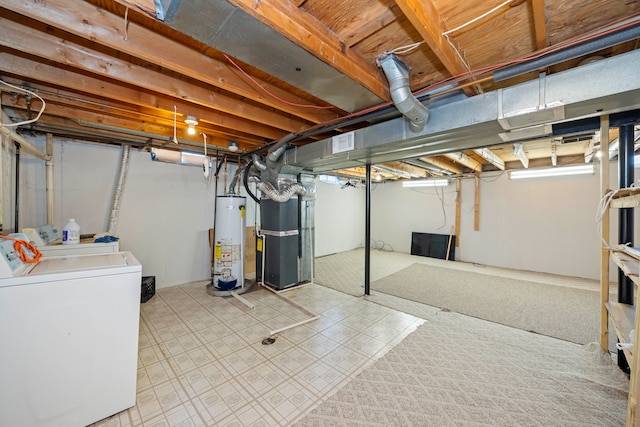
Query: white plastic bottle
{"x": 71, "y": 233}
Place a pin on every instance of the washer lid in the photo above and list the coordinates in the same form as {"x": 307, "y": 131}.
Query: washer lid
{"x": 79, "y": 263}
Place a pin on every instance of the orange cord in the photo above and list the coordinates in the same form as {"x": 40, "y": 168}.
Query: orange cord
{"x": 20, "y": 246}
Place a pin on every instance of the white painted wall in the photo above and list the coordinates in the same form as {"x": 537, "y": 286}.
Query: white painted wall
{"x": 339, "y": 218}
{"x": 165, "y": 214}
{"x": 545, "y": 225}
{"x": 398, "y": 211}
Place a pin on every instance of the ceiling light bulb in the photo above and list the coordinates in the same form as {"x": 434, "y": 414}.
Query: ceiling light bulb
{"x": 233, "y": 146}
{"x": 378, "y": 177}
{"x": 191, "y": 121}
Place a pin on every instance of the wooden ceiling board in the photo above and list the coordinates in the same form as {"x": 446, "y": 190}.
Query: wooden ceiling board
{"x": 568, "y": 19}
{"x": 505, "y": 35}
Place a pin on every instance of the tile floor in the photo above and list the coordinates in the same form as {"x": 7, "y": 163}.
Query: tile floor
{"x": 202, "y": 361}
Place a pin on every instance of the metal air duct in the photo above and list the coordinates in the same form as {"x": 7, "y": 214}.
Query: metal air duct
{"x": 398, "y": 75}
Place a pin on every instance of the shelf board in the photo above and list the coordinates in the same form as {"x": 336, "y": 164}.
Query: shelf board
{"x": 626, "y": 198}
{"x": 629, "y": 265}
{"x": 623, "y": 316}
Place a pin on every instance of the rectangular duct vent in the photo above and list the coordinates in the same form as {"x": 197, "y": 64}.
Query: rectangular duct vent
{"x": 343, "y": 142}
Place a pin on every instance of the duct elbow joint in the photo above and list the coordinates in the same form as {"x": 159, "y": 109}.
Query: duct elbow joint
{"x": 397, "y": 74}
{"x": 259, "y": 164}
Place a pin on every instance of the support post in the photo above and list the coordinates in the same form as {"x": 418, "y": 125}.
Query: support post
{"x": 476, "y": 207}
{"x": 367, "y": 233}
{"x": 458, "y": 211}
{"x": 625, "y": 222}
{"x": 604, "y": 257}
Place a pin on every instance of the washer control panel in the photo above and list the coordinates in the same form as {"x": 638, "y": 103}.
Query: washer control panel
{"x": 11, "y": 264}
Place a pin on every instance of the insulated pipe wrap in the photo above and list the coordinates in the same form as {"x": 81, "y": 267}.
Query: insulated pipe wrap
{"x": 397, "y": 74}
{"x": 586, "y": 48}
{"x": 281, "y": 196}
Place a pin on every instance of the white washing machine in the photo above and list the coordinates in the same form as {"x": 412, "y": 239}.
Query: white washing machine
{"x": 69, "y": 337}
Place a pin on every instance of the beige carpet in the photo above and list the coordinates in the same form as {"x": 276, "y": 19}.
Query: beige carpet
{"x": 562, "y": 312}
{"x": 456, "y": 370}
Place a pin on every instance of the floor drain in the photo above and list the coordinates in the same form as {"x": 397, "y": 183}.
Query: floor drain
{"x": 268, "y": 341}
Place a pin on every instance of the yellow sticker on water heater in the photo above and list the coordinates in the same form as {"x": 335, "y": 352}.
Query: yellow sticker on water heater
{"x": 242, "y": 211}
{"x": 218, "y": 251}
{"x": 259, "y": 244}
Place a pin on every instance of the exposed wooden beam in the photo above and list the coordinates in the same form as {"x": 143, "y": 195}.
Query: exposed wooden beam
{"x": 40, "y": 72}
{"x": 304, "y": 30}
{"x": 491, "y": 157}
{"x": 539, "y": 23}
{"x": 443, "y": 163}
{"x": 147, "y": 6}
{"x": 413, "y": 170}
{"x": 375, "y": 17}
{"x": 50, "y": 47}
{"x": 104, "y": 118}
{"x": 100, "y": 26}
{"x": 518, "y": 151}
{"x": 465, "y": 160}
{"x": 427, "y": 21}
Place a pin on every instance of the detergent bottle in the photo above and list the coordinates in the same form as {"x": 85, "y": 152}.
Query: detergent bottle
{"x": 71, "y": 233}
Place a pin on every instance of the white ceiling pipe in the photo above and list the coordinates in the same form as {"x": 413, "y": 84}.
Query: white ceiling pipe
{"x": 24, "y": 144}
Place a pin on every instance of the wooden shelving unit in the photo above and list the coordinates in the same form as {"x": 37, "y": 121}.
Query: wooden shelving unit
{"x": 624, "y": 315}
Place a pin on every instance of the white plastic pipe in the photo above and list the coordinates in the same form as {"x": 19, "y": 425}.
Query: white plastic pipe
{"x": 49, "y": 181}
{"x": 24, "y": 144}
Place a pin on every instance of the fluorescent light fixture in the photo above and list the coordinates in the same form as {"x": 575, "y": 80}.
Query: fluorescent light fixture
{"x": 426, "y": 183}
{"x": 560, "y": 171}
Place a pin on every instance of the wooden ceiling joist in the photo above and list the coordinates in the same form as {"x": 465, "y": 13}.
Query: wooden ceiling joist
{"x": 102, "y": 27}
{"x": 51, "y": 75}
{"x": 465, "y": 160}
{"x": 539, "y": 23}
{"x": 491, "y": 157}
{"x": 53, "y": 48}
{"x": 443, "y": 163}
{"x": 426, "y": 19}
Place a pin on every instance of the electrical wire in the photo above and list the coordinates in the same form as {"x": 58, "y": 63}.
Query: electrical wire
{"x": 126, "y": 25}
{"x": 26, "y": 122}
{"x": 22, "y": 246}
{"x": 265, "y": 90}
{"x": 603, "y": 207}
{"x": 403, "y": 50}
{"x": 459, "y": 27}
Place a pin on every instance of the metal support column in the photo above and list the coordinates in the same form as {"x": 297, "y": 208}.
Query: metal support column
{"x": 625, "y": 218}
{"x": 367, "y": 233}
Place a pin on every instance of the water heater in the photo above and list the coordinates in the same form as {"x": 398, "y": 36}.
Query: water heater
{"x": 229, "y": 241}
